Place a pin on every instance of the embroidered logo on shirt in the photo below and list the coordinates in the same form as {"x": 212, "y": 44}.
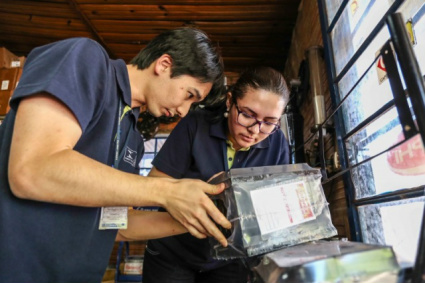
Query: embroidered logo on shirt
{"x": 130, "y": 156}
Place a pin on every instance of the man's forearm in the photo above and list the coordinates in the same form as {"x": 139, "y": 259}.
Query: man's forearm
{"x": 144, "y": 225}
{"x": 67, "y": 177}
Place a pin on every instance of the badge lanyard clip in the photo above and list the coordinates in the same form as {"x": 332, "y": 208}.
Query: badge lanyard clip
{"x": 115, "y": 217}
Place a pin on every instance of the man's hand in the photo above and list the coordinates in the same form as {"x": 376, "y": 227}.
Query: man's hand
{"x": 147, "y": 225}
{"x": 187, "y": 202}
{"x": 191, "y": 206}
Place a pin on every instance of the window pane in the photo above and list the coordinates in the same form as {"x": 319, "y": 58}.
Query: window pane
{"x": 400, "y": 168}
{"x": 374, "y": 138}
{"x": 361, "y": 65}
{"x": 147, "y": 160}
{"x": 358, "y": 19}
{"x": 366, "y": 98}
{"x": 396, "y": 224}
{"x": 150, "y": 145}
{"x": 160, "y": 143}
{"x": 384, "y": 173}
{"x": 332, "y": 7}
{"x": 144, "y": 172}
{"x": 408, "y": 10}
{"x": 419, "y": 47}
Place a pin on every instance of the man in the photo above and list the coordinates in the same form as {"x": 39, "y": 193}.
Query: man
{"x": 71, "y": 126}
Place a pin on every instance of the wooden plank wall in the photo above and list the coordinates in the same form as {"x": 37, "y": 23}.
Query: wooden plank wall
{"x": 307, "y": 33}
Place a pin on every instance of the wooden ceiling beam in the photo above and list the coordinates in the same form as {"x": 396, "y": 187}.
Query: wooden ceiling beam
{"x": 219, "y": 28}
{"x": 30, "y": 8}
{"x": 182, "y": 2}
{"x": 235, "y": 40}
{"x": 52, "y": 32}
{"x": 248, "y": 32}
{"x": 248, "y": 51}
{"x": 29, "y": 21}
{"x": 187, "y": 12}
{"x": 74, "y": 5}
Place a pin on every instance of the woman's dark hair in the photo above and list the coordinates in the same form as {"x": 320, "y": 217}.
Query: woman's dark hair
{"x": 191, "y": 50}
{"x": 265, "y": 78}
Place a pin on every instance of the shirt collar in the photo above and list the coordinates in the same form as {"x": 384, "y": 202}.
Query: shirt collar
{"x": 219, "y": 130}
{"x": 123, "y": 81}
{"x": 230, "y": 145}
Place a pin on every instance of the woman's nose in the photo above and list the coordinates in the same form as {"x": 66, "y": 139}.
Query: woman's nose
{"x": 255, "y": 129}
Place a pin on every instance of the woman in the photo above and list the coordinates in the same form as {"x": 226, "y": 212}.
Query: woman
{"x": 243, "y": 132}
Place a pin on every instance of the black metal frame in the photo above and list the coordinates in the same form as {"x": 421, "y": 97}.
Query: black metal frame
{"x": 416, "y": 91}
{"x": 353, "y": 216}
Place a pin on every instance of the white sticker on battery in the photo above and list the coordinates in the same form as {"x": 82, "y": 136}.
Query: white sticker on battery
{"x": 282, "y": 206}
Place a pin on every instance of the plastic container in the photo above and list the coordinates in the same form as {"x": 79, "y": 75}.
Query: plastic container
{"x": 133, "y": 265}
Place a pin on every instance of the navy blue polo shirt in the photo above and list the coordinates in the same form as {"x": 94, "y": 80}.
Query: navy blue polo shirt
{"x": 197, "y": 149}
{"x": 45, "y": 242}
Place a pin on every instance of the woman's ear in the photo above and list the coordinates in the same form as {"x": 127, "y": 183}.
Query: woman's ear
{"x": 228, "y": 100}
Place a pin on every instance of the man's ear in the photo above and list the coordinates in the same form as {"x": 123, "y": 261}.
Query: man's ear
{"x": 163, "y": 64}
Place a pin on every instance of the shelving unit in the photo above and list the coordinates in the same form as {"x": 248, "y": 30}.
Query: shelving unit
{"x": 122, "y": 254}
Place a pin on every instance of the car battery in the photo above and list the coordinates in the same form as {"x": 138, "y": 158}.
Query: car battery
{"x": 271, "y": 207}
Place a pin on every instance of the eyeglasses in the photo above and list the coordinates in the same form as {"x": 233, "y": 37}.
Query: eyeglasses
{"x": 247, "y": 121}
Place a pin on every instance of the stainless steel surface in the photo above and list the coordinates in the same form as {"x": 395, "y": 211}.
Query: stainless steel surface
{"x": 330, "y": 261}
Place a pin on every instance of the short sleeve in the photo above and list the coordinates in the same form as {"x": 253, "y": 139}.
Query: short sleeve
{"x": 175, "y": 156}
{"x": 284, "y": 150}
{"x": 72, "y": 70}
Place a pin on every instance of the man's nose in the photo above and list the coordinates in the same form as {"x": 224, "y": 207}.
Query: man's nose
{"x": 183, "y": 109}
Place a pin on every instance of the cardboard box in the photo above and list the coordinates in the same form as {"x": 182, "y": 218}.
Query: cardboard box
{"x": 10, "y": 60}
{"x": 9, "y": 79}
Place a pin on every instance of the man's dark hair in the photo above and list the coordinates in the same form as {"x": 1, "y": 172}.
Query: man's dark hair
{"x": 192, "y": 53}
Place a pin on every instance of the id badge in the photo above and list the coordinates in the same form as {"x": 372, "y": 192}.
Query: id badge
{"x": 115, "y": 217}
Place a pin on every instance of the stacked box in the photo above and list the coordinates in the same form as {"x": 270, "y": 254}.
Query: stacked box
{"x": 8, "y": 82}
{"x": 10, "y": 72}
{"x": 10, "y": 60}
